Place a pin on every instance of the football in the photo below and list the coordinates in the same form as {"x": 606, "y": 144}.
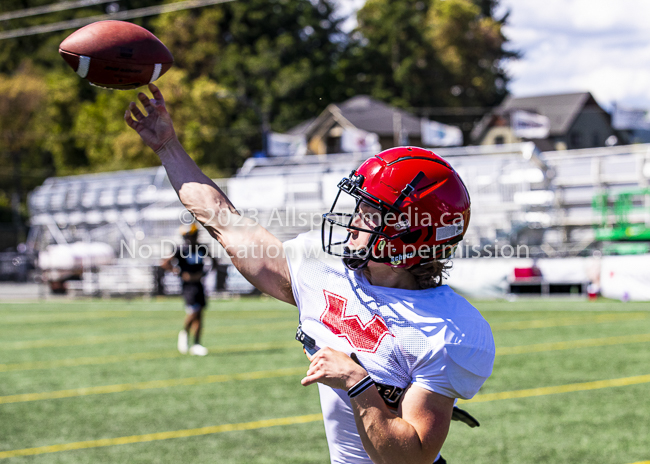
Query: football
{"x": 116, "y": 54}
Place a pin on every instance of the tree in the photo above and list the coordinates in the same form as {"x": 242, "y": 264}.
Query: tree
{"x": 239, "y": 64}
{"x": 56, "y": 120}
{"x": 21, "y": 97}
{"x": 242, "y": 64}
{"x": 277, "y": 56}
{"x": 100, "y": 132}
{"x": 429, "y": 53}
{"x": 469, "y": 42}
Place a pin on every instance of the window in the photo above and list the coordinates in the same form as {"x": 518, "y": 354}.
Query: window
{"x": 333, "y": 144}
{"x": 499, "y": 140}
{"x": 575, "y": 139}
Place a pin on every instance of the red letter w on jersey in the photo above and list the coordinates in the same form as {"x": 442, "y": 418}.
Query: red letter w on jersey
{"x": 362, "y": 337}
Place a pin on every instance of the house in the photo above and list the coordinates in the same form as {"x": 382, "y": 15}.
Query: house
{"x": 361, "y": 116}
{"x": 632, "y": 123}
{"x": 563, "y": 121}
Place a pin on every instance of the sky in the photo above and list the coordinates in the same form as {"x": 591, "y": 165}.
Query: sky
{"x": 600, "y": 46}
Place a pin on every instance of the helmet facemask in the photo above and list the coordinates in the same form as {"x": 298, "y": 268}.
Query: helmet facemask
{"x": 336, "y": 238}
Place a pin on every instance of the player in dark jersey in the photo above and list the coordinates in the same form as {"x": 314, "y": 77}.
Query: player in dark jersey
{"x": 189, "y": 262}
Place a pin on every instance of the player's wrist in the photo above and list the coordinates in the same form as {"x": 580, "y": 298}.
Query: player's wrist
{"x": 355, "y": 377}
{"x": 167, "y": 144}
{"x": 361, "y": 386}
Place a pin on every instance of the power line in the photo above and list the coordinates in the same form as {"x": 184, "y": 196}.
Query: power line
{"x": 61, "y": 6}
{"x": 122, "y": 15}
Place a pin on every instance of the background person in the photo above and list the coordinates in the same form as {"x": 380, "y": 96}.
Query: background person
{"x": 396, "y": 347}
{"x": 189, "y": 262}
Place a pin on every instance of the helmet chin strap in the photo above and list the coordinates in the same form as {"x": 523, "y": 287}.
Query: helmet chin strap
{"x": 358, "y": 260}
{"x": 358, "y": 263}
{"x": 355, "y": 264}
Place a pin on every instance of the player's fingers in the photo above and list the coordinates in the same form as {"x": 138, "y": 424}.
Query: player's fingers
{"x": 144, "y": 99}
{"x": 157, "y": 94}
{"x": 309, "y": 380}
{"x": 137, "y": 114}
{"x": 313, "y": 367}
{"x": 129, "y": 120}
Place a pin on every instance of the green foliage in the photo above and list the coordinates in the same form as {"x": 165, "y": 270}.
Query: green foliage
{"x": 22, "y": 97}
{"x": 281, "y": 54}
{"x": 235, "y": 65}
{"x": 201, "y": 116}
{"x": 193, "y": 38}
{"x": 470, "y": 47}
{"x": 240, "y": 66}
{"x": 56, "y": 121}
{"x": 99, "y": 132}
{"x": 433, "y": 53}
{"x": 277, "y": 57}
{"x": 392, "y": 57}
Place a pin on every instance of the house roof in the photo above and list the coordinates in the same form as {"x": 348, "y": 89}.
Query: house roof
{"x": 561, "y": 109}
{"x": 301, "y": 128}
{"x": 362, "y": 112}
{"x": 375, "y": 116}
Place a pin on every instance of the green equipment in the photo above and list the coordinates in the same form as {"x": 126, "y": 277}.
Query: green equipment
{"x": 615, "y": 224}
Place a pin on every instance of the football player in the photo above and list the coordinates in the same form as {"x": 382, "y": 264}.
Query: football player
{"x": 189, "y": 261}
{"x": 390, "y": 347}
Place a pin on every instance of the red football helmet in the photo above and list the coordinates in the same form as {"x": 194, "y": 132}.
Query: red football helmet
{"x": 424, "y": 210}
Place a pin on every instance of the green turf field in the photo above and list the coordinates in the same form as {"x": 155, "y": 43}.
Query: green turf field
{"x": 101, "y": 382}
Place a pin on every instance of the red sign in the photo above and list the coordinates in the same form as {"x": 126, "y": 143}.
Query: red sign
{"x": 362, "y": 337}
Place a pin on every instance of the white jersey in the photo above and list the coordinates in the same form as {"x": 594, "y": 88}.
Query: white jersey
{"x": 432, "y": 338}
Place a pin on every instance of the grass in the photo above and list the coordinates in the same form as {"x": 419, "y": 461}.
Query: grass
{"x": 86, "y": 348}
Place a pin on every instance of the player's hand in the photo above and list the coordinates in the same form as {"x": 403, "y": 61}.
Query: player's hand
{"x": 333, "y": 368}
{"x": 156, "y": 128}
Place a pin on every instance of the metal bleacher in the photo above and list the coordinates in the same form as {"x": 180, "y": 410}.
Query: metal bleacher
{"x": 516, "y": 192}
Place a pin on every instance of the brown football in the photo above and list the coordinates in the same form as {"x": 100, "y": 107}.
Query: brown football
{"x": 116, "y": 54}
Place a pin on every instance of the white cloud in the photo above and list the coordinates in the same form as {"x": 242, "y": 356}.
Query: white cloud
{"x": 602, "y": 46}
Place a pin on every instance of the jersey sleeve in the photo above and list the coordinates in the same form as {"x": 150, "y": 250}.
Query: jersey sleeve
{"x": 458, "y": 370}
{"x": 292, "y": 251}
{"x": 308, "y": 264}
{"x": 298, "y": 251}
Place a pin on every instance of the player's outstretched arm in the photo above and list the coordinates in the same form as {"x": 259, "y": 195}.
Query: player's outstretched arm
{"x": 254, "y": 251}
